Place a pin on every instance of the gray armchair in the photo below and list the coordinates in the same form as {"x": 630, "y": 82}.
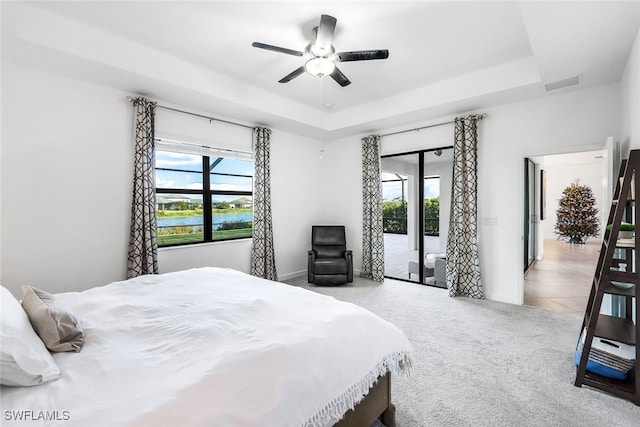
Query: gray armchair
{"x": 329, "y": 261}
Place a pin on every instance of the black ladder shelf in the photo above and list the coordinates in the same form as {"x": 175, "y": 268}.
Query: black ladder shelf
{"x": 621, "y": 329}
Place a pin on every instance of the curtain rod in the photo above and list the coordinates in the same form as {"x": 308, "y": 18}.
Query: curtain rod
{"x": 131, "y": 99}
{"x": 479, "y": 117}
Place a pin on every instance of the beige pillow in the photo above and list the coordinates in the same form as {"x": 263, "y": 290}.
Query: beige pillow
{"x": 56, "y": 326}
{"x": 24, "y": 360}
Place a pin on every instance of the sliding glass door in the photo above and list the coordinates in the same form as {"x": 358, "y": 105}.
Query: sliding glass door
{"x": 529, "y": 213}
{"x": 399, "y": 215}
{"x": 416, "y": 192}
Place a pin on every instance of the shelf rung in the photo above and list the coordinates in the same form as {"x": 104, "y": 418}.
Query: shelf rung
{"x": 621, "y": 276}
{"x": 612, "y": 290}
{"x": 626, "y": 243}
{"x": 623, "y": 389}
{"x": 616, "y": 328}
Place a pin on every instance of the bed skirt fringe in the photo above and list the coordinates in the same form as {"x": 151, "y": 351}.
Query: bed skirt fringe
{"x": 397, "y": 363}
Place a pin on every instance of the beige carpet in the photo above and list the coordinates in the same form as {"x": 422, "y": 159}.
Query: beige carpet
{"x": 484, "y": 363}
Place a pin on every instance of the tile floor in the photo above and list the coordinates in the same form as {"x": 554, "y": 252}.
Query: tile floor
{"x": 561, "y": 281}
{"x": 397, "y": 254}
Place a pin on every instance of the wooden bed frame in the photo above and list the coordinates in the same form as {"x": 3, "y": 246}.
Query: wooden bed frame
{"x": 375, "y": 405}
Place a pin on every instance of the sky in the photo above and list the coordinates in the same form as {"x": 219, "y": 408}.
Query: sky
{"x": 190, "y": 176}
{"x": 393, "y": 190}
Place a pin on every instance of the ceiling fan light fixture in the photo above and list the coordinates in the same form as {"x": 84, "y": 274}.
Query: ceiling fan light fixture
{"x": 319, "y": 66}
{"x": 323, "y": 54}
{"x": 315, "y": 50}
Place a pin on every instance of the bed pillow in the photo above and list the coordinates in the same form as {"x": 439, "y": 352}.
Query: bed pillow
{"x": 56, "y": 325}
{"x": 24, "y": 360}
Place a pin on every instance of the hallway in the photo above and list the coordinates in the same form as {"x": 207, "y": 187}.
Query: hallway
{"x": 561, "y": 281}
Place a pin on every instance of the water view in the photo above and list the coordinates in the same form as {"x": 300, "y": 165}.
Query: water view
{"x": 187, "y": 226}
{"x": 218, "y": 220}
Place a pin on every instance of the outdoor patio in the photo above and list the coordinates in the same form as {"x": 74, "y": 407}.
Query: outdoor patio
{"x": 397, "y": 255}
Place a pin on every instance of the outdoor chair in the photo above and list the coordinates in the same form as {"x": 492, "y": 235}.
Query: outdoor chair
{"x": 434, "y": 268}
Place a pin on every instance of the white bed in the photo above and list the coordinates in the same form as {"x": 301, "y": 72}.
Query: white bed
{"x": 213, "y": 347}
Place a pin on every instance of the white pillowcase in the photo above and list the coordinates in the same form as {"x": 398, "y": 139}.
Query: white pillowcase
{"x": 24, "y": 360}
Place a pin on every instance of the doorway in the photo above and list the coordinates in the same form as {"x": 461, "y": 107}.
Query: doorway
{"x": 559, "y": 277}
{"x": 416, "y": 192}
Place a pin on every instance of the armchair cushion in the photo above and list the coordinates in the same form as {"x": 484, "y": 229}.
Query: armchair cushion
{"x": 328, "y": 235}
{"x": 329, "y": 251}
{"x": 331, "y": 266}
{"x": 430, "y": 259}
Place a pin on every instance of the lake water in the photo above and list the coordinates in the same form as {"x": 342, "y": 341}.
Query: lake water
{"x": 197, "y": 220}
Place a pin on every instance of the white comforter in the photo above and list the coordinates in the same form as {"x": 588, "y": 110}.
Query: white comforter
{"x": 213, "y": 347}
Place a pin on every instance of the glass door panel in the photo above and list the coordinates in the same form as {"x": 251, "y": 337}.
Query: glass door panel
{"x": 437, "y": 179}
{"x": 399, "y": 216}
{"x": 416, "y": 192}
{"x": 530, "y": 214}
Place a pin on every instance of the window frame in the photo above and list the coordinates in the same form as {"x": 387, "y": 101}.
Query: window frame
{"x": 207, "y": 194}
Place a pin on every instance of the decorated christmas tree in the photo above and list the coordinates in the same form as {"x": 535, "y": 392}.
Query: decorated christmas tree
{"x": 577, "y": 214}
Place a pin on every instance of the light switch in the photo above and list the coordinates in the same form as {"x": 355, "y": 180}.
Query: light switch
{"x": 490, "y": 220}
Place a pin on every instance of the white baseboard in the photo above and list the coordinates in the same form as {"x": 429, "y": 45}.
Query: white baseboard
{"x": 301, "y": 273}
{"x": 293, "y": 275}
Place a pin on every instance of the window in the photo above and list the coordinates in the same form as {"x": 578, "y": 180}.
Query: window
{"x": 202, "y": 197}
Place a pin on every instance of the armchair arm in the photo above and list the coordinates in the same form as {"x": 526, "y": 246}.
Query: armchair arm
{"x": 311, "y": 257}
{"x": 348, "y": 254}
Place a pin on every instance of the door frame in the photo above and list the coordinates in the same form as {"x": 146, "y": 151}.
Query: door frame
{"x": 420, "y": 230}
{"x": 518, "y": 237}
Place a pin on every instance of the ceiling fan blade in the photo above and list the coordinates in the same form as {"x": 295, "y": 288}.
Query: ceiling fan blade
{"x": 324, "y": 38}
{"x": 340, "y": 78}
{"x": 362, "y": 55}
{"x": 277, "y": 49}
{"x": 292, "y": 75}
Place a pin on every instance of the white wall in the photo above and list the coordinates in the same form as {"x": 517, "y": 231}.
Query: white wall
{"x": 341, "y": 176}
{"x": 630, "y": 95}
{"x": 295, "y": 207}
{"x": 341, "y": 192}
{"x": 295, "y": 165}
{"x": 559, "y": 177}
{"x": 1, "y": 134}
{"x": 297, "y": 200}
{"x": 195, "y": 130}
{"x": 66, "y": 181}
{"x": 566, "y": 122}
{"x": 67, "y": 148}
{"x": 66, "y": 184}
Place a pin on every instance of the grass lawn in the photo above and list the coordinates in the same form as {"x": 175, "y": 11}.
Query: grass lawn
{"x": 198, "y": 212}
{"x": 175, "y": 239}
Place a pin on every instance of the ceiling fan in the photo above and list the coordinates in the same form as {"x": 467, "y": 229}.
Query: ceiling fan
{"x": 323, "y": 54}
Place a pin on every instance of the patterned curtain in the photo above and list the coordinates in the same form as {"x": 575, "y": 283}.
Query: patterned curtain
{"x": 463, "y": 264}
{"x": 263, "y": 263}
{"x": 372, "y": 235}
{"x": 143, "y": 246}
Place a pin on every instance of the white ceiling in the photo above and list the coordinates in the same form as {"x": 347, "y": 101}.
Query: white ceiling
{"x": 446, "y": 58}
